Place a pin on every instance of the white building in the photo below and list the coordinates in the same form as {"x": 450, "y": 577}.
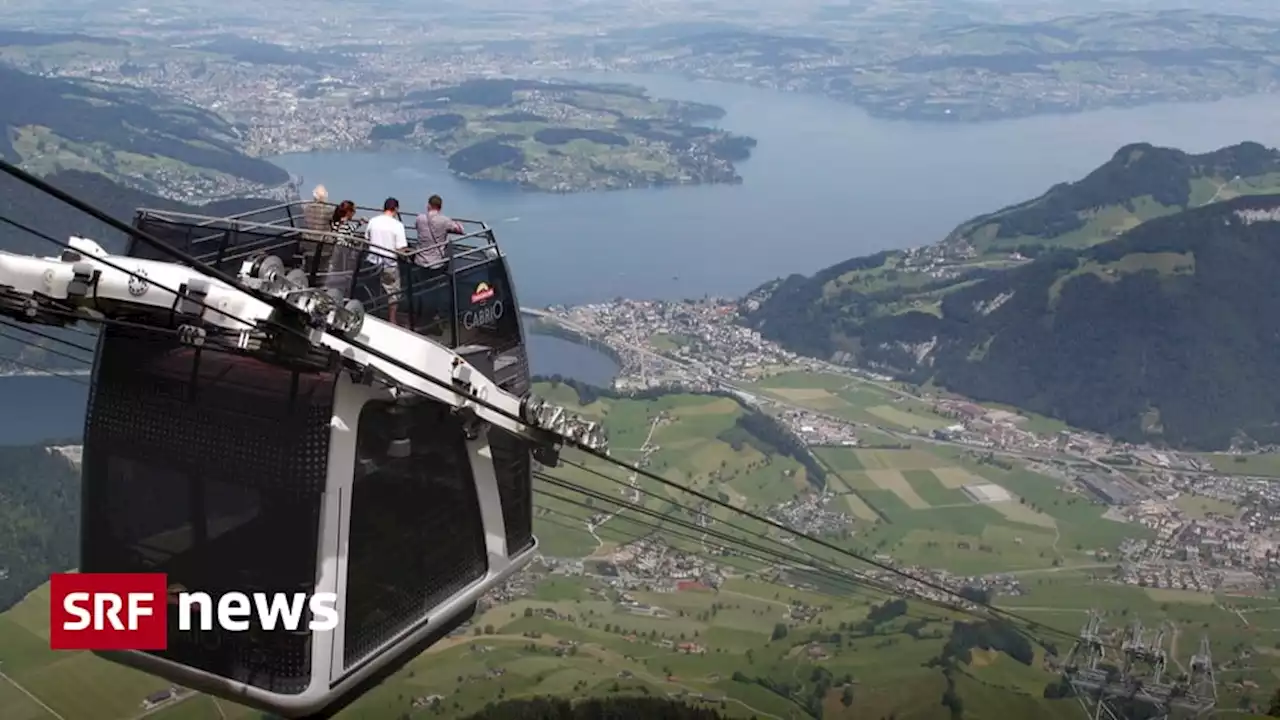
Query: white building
{"x": 986, "y": 493}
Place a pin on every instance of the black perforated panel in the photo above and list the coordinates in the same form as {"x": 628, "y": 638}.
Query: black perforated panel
{"x": 416, "y": 536}
{"x": 511, "y": 464}
{"x": 208, "y": 467}
{"x": 511, "y": 459}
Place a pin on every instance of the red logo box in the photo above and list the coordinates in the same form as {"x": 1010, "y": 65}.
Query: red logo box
{"x": 108, "y": 611}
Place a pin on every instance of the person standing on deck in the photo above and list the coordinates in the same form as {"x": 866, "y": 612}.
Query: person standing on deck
{"x": 315, "y": 218}
{"x": 434, "y": 228}
{"x": 348, "y": 231}
{"x": 387, "y": 242}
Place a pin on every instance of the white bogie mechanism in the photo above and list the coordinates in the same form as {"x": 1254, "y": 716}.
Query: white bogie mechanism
{"x": 103, "y": 290}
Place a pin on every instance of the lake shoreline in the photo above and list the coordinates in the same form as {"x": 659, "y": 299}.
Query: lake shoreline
{"x": 393, "y": 147}
{"x": 555, "y": 330}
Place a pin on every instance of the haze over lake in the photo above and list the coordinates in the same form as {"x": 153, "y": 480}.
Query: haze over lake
{"x": 826, "y": 183}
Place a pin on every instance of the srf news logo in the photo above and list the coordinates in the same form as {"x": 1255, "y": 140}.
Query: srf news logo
{"x": 130, "y": 611}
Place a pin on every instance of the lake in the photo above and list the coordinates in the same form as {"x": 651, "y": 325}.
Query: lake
{"x": 827, "y": 182}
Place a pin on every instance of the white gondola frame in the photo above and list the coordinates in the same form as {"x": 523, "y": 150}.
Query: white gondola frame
{"x": 116, "y": 284}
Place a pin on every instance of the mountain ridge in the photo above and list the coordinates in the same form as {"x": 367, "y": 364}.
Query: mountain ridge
{"x": 1141, "y": 181}
{"x": 1159, "y": 335}
{"x": 1113, "y": 198}
{"x": 128, "y": 134}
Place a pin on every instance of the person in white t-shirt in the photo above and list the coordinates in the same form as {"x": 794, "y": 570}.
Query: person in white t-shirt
{"x": 386, "y": 233}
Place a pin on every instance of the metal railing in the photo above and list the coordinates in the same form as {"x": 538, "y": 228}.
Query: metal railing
{"x": 473, "y": 244}
{"x": 294, "y": 213}
{"x": 336, "y": 260}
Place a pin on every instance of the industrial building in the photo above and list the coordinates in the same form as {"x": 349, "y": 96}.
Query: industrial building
{"x": 1106, "y": 490}
{"x": 986, "y": 493}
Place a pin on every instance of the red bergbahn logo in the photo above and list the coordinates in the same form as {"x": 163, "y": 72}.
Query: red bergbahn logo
{"x": 483, "y": 292}
{"x": 108, "y": 611}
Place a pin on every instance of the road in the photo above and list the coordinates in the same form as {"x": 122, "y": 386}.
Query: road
{"x": 1173, "y": 645}
{"x": 646, "y": 449}
{"x": 598, "y": 651}
{"x": 35, "y": 699}
{"x": 1061, "y": 568}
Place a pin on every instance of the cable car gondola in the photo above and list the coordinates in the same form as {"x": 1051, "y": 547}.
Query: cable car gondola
{"x": 277, "y": 434}
{"x": 275, "y": 324}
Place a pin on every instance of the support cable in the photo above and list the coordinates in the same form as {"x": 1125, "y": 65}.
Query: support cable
{"x": 205, "y": 268}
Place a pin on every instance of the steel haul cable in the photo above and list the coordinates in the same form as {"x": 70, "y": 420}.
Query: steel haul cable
{"x": 827, "y": 545}
{"x": 764, "y": 554}
{"x": 784, "y": 547}
{"x": 804, "y": 564}
{"x": 787, "y": 555}
{"x": 832, "y": 574}
{"x": 205, "y": 268}
{"x": 42, "y": 372}
{"x": 855, "y": 581}
{"x": 851, "y": 577}
{"x": 655, "y": 529}
{"x": 46, "y": 336}
{"x": 41, "y": 348}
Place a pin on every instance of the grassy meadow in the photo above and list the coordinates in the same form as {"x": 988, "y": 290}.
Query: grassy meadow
{"x": 571, "y": 636}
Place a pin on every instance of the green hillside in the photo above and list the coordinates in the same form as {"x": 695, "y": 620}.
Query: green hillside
{"x": 127, "y": 134}
{"x": 823, "y": 314}
{"x": 1165, "y": 334}
{"x": 616, "y": 708}
{"x": 770, "y": 642}
{"x": 39, "y": 519}
{"x": 1139, "y": 183}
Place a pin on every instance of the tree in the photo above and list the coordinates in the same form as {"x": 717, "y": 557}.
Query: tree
{"x": 1274, "y": 710}
{"x": 846, "y": 697}
{"x": 779, "y": 631}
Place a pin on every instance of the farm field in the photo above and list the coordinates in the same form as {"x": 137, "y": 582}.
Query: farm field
{"x": 585, "y": 646}
{"x": 855, "y": 400}
{"x": 764, "y": 644}
{"x": 908, "y": 502}
{"x": 926, "y": 517}
{"x": 589, "y": 645}
{"x": 1264, "y": 464}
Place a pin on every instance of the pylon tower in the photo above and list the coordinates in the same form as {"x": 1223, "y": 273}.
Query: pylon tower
{"x": 1134, "y": 681}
